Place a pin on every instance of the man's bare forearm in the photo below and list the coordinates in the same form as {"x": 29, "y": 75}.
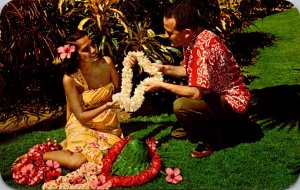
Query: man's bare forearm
{"x": 180, "y": 90}
{"x": 174, "y": 71}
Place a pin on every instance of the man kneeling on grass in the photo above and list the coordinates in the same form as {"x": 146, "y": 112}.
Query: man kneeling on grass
{"x": 216, "y": 96}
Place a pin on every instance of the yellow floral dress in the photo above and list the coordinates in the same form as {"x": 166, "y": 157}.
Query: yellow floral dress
{"x": 95, "y": 137}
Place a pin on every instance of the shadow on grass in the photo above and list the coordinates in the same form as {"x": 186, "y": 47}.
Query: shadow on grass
{"x": 150, "y": 128}
{"x": 245, "y": 45}
{"x": 277, "y": 106}
{"x": 228, "y": 136}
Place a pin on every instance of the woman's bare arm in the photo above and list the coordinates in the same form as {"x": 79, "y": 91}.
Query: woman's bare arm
{"x": 115, "y": 78}
{"x": 74, "y": 100}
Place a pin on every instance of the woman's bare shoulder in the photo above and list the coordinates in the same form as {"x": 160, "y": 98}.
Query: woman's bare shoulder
{"x": 108, "y": 59}
{"x": 67, "y": 80}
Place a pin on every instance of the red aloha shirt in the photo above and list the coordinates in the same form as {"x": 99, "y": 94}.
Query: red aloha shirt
{"x": 212, "y": 66}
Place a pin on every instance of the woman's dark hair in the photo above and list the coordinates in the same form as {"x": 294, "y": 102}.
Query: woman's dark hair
{"x": 70, "y": 66}
{"x": 185, "y": 15}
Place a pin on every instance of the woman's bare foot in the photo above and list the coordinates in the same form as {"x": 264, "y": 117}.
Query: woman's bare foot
{"x": 66, "y": 158}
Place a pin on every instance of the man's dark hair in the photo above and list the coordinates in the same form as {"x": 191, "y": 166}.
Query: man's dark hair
{"x": 185, "y": 15}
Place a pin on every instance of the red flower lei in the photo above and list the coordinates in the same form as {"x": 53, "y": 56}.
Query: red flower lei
{"x": 130, "y": 180}
{"x": 31, "y": 169}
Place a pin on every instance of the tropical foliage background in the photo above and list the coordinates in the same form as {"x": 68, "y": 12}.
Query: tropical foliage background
{"x": 31, "y": 30}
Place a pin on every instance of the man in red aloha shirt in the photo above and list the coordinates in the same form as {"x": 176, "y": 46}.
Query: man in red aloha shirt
{"x": 216, "y": 95}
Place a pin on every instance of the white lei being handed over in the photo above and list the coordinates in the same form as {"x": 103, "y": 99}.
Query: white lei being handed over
{"x": 131, "y": 104}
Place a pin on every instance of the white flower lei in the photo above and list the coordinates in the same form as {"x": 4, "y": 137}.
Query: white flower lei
{"x": 134, "y": 103}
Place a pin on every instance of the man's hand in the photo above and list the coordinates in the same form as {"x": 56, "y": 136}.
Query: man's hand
{"x": 159, "y": 66}
{"x": 153, "y": 86}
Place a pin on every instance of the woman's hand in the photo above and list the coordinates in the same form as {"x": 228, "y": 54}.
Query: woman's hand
{"x": 112, "y": 105}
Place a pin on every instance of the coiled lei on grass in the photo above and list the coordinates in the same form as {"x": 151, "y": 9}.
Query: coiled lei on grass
{"x": 132, "y": 104}
{"x": 131, "y": 180}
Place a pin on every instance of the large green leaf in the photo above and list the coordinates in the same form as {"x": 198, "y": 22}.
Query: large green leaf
{"x": 133, "y": 159}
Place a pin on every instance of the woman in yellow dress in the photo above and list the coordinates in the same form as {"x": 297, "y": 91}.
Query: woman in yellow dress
{"x": 92, "y": 121}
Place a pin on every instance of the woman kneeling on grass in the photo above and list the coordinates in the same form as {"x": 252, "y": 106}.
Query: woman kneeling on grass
{"x": 92, "y": 122}
{"x": 92, "y": 129}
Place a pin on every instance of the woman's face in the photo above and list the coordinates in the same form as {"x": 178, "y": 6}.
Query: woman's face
{"x": 86, "y": 49}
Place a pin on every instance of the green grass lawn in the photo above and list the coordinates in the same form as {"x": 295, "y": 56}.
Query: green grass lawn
{"x": 278, "y": 64}
{"x": 270, "y": 163}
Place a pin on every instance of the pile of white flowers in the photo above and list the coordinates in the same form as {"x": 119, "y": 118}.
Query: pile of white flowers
{"x": 132, "y": 104}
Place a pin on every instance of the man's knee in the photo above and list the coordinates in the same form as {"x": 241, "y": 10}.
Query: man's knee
{"x": 178, "y": 105}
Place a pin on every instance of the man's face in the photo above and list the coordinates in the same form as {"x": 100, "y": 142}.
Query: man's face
{"x": 176, "y": 37}
{"x": 86, "y": 49}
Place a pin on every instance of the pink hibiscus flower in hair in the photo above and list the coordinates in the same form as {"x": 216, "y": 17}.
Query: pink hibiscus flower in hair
{"x": 173, "y": 175}
{"x": 65, "y": 51}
